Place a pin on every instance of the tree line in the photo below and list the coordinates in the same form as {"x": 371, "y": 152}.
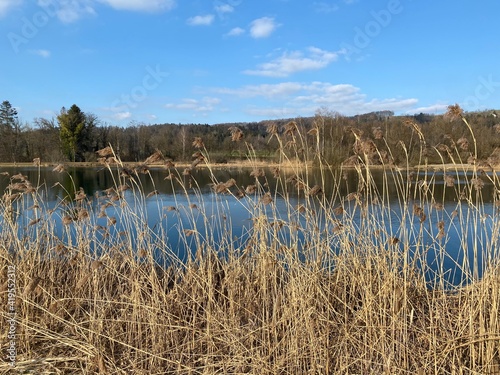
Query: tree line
{"x": 74, "y": 135}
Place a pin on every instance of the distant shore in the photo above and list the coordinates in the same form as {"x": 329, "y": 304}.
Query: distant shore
{"x": 182, "y": 164}
{"x": 252, "y": 164}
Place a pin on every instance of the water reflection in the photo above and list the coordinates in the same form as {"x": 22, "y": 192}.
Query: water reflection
{"x": 188, "y": 202}
{"x": 336, "y": 183}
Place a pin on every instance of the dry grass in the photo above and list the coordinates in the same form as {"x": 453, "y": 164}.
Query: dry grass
{"x": 331, "y": 288}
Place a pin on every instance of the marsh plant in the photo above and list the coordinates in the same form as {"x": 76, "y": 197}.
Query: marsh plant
{"x": 330, "y": 283}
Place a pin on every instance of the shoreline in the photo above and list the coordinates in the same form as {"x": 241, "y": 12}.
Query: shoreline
{"x": 233, "y": 164}
{"x": 255, "y": 164}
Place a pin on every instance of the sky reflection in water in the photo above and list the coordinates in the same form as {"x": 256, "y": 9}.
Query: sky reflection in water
{"x": 220, "y": 217}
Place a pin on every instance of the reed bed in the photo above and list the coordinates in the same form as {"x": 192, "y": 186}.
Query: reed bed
{"x": 339, "y": 284}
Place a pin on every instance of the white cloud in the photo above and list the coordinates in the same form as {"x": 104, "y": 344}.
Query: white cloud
{"x": 186, "y": 104}
{"x": 294, "y": 62}
{"x": 6, "y": 5}
{"x": 235, "y": 31}
{"x": 224, "y": 8}
{"x": 116, "y": 108}
{"x": 72, "y": 10}
{"x": 268, "y": 91}
{"x": 211, "y": 100}
{"x": 204, "y": 20}
{"x": 68, "y": 11}
{"x": 141, "y": 5}
{"x": 322, "y": 7}
{"x": 206, "y": 104}
{"x": 262, "y": 27}
{"x": 272, "y": 112}
{"x": 393, "y": 104}
{"x": 435, "y": 108}
{"x": 304, "y": 99}
{"x": 41, "y": 52}
{"x": 120, "y": 116}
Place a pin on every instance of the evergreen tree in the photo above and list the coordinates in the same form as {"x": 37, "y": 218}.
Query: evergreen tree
{"x": 8, "y": 115}
{"x": 75, "y": 131}
{"x": 9, "y": 130}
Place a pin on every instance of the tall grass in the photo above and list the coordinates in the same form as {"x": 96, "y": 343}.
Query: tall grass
{"x": 338, "y": 284}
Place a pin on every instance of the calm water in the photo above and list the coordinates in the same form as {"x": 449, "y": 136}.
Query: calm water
{"x": 225, "y": 214}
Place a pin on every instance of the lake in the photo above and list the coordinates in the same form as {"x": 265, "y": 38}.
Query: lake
{"x": 442, "y": 218}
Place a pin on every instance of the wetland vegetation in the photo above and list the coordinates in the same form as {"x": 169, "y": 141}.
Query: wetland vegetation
{"x": 336, "y": 271}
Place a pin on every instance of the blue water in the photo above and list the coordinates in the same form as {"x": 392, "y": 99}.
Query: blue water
{"x": 224, "y": 222}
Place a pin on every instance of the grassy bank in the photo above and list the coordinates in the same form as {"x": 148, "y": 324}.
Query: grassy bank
{"x": 331, "y": 287}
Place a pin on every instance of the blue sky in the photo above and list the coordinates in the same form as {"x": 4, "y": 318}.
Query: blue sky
{"x": 212, "y": 61}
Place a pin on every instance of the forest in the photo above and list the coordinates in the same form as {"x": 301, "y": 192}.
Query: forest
{"x": 74, "y": 135}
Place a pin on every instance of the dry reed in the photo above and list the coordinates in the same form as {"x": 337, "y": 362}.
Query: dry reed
{"x": 342, "y": 292}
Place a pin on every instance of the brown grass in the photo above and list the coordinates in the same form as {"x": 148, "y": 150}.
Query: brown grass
{"x": 354, "y": 300}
